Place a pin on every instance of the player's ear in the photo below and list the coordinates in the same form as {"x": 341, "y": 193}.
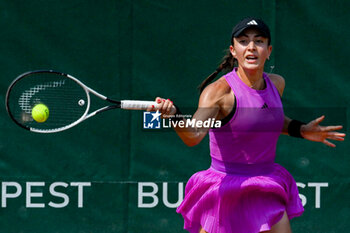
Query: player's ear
{"x": 269, "y": 51}
{"x": 233, "y": 51}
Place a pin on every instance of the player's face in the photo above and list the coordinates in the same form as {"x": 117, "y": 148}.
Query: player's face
{"x": 251, "y": 49}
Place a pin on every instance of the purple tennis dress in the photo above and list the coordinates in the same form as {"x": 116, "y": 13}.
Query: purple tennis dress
{"x": 244, "y": 190}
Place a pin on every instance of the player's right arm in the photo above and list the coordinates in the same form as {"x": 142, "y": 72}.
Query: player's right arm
{"x": 209, "y": 105}
{"x": 208, "y": 108}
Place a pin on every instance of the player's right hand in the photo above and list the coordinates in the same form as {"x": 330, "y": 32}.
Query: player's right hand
{"x": 164, "y": 106}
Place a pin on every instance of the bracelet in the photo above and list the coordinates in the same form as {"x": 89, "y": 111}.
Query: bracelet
{"x": 294, "y": 128}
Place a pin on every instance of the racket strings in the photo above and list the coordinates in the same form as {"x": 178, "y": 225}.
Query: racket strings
{"x": 62, "y": 95}
{"x": 26, "y": 96}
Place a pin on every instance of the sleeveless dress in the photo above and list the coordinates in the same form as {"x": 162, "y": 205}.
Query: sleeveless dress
{"x": 244, "y": 190}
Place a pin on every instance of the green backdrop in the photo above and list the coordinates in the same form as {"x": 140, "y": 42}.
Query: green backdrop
{"x": 110, "y": 175}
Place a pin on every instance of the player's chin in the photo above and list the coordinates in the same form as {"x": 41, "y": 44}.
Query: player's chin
{"x": 253, "y": 66}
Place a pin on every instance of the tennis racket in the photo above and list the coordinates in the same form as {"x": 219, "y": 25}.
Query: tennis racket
{"x": 67, "y": 99}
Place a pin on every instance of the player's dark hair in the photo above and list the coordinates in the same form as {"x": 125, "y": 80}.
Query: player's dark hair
{"x": 227, "y": 65}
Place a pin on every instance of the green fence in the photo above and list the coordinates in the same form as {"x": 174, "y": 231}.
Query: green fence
{"x": 109, "y": 174}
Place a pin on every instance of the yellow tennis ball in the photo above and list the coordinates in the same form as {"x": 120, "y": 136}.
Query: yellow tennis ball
{"x": 40, "y": 113}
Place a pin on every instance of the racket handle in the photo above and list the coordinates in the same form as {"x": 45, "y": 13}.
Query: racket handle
{"x": 136, "y": 104}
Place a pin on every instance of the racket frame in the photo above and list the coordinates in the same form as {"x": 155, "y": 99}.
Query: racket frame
{"x": 124, "y": 104}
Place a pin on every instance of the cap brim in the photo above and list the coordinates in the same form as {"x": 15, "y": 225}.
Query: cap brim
{"x": 239, "y": 32}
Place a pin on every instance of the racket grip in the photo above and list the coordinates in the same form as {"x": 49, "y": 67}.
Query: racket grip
{"x": 136, "y": 104}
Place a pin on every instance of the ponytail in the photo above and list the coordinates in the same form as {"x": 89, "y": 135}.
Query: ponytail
{"x": 227, "y": 64}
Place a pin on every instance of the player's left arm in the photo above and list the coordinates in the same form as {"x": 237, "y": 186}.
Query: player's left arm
{"x": 280, "y": 84}
{"x": 312, "y": 131}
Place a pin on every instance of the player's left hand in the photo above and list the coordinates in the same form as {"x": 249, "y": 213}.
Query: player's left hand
{"x": 313, "y": 131}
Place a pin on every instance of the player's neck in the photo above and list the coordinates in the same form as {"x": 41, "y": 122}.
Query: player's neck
{"x": 252, "y": 78}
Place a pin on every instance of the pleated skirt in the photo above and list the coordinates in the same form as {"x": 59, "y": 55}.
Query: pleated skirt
{"x": 239, "y": 198}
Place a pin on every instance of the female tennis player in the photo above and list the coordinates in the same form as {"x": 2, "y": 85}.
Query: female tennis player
{"x": 244, "y": 191}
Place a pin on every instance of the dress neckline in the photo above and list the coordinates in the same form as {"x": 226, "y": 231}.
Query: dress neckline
{"x": 252, "y": 90}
